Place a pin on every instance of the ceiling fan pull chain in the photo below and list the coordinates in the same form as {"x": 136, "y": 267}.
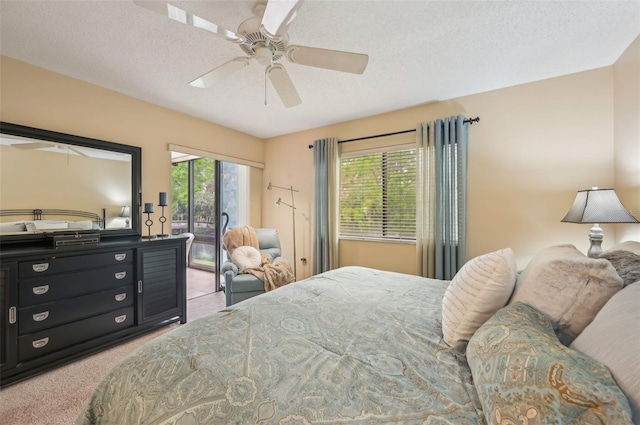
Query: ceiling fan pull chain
{"x": 265, "y": 87}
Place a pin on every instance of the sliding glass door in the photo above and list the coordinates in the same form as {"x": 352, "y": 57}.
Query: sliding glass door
{"x": 208, "y": 196}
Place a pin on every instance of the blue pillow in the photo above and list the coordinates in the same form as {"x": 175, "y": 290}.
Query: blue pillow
{"x": 523, "y": 374}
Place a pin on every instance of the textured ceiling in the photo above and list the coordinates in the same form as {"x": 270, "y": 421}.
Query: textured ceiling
{"x": 419, "y": 52}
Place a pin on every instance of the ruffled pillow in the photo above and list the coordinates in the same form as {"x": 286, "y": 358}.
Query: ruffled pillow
{"x": 246, "y": 257}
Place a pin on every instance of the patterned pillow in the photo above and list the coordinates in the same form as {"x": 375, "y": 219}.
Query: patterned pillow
{"x": 523, "y": 374}
{"x": 481, "y": 287}
{"x": 568, "y": 286}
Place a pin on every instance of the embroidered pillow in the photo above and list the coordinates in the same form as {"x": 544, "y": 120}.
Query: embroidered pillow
{"x": 523, "y": 374}
{"x": 480, "y": 288}
{"x": 568, "y": 286}
{"x": 246, "y": 257}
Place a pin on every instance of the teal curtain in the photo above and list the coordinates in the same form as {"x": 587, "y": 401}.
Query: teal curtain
{"x": 325, "y": 208}
{"x": 441, "y": 236}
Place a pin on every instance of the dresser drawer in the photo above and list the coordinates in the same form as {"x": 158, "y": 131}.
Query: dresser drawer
{"x": 50, "y": 340}
{"x": 54, "y": 265}
{"x": 58, "y": 287}
{"x": 44, "y": 316}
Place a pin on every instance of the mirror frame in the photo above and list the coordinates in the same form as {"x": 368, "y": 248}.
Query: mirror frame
{"x": 136, "y": 175}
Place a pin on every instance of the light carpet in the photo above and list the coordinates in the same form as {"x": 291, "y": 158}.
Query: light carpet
{"x": 57, "y": 397}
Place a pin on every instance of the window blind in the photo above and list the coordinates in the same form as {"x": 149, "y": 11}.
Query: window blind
{"x": 378, "y": 195}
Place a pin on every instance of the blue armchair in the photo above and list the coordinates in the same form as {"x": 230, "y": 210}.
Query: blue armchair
{"x": 241, "y": 286}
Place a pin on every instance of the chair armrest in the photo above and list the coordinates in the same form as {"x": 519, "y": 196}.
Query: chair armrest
{"x": 228, "y": 266}
{"x": 281, "y": 260}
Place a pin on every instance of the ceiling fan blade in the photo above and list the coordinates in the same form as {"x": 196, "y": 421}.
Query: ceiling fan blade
{"x": 77, "y": 151}
{"x": 277, "y": 17}
{"x": 221, "y": 72}
{"x": 31, "y": 146}
{"x": 336, "y": 60}
{"x": 283, "y": 85}
{"x": 185, "y": 17}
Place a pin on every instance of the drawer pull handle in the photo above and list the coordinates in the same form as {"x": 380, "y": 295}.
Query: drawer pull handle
{"x": 39, "y": 317}
{"x": 120, "y": 257}
{"x": 39, "y": 268}
{"x": 121, "y": 275}
{"x": 120, "y": 319}
{"x": 121, "y": 297}
{"x": 39, "y": 343}
{"x": 12, "y": 315}
{"x": 39, "y": 290}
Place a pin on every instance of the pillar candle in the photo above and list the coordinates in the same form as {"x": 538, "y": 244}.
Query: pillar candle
{"x": 163, "y": 199}
{"x": 148, "y": 207}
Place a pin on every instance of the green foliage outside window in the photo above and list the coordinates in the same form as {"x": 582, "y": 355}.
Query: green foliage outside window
{"x": 378, "y": 195}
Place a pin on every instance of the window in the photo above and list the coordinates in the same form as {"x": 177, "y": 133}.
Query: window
{"x": 378, "y": 195}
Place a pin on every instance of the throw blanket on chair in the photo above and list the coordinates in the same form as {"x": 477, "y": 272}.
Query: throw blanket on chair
{"x": 240, "y": 236}
{"x": 273, "y": 275}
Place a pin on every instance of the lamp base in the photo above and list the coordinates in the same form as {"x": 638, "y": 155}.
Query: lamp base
{"x": 596, "y": 235}
{"x": 163, "y": 235}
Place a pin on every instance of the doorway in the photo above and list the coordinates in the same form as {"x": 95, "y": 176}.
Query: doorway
{"x": 203, "y": 190}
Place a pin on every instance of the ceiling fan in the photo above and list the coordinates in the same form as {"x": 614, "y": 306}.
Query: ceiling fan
{"x": 45, "y": 145}
{"x": 264, "y": 38}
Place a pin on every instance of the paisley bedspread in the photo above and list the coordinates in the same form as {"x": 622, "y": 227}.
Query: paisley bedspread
{"x": 349, "y": 346}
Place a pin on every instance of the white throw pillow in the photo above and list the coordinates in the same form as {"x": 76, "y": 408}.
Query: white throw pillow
{"x": 50, "y": 224}
{"x": 12, "y": 227}
{"x": 480, "y": 288}
{"x": 567, "y": 286}
{"x": 246, "y": 257}
{"x": 82, "y": 225}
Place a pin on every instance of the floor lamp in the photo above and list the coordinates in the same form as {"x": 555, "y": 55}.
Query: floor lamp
{"x": 293, "y": 216}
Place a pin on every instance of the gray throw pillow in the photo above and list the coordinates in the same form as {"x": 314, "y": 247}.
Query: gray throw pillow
{"x": 568, "y": 286}
{"x": 626, "y": 263}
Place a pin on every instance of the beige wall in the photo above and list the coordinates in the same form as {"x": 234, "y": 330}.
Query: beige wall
{"x": 534, "y": 147}
{"x": 626, "y": 136}
{"x": 50, "y": 176}
{"x": 35, "y": 97}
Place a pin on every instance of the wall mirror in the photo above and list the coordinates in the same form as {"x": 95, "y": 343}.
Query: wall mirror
{"x": 77, "y": 183}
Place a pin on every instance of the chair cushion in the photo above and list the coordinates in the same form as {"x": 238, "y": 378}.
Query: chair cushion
{"x": 246, "y": 257}
{"x": 245, "y": 283}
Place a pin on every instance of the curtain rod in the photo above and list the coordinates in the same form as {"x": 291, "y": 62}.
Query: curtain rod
{"x": 468, "y": 120}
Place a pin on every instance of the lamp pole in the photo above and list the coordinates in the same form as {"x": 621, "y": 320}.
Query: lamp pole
{"x": 293, "y": 217}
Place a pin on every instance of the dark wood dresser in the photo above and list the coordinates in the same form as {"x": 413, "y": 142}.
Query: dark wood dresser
{"x": 60, "y": 304}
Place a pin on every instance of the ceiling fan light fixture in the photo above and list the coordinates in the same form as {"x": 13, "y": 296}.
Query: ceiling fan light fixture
{"x": 264, "y": 55}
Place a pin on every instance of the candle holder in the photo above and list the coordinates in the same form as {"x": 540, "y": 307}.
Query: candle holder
{"x": 162, "y": 220}
{"x": 162, "y": 203}
{"x": 148, "y": 222}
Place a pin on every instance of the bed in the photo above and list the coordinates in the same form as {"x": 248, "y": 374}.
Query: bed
{"x": 363, "y": 346}
{"x": 39, "y": 220}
